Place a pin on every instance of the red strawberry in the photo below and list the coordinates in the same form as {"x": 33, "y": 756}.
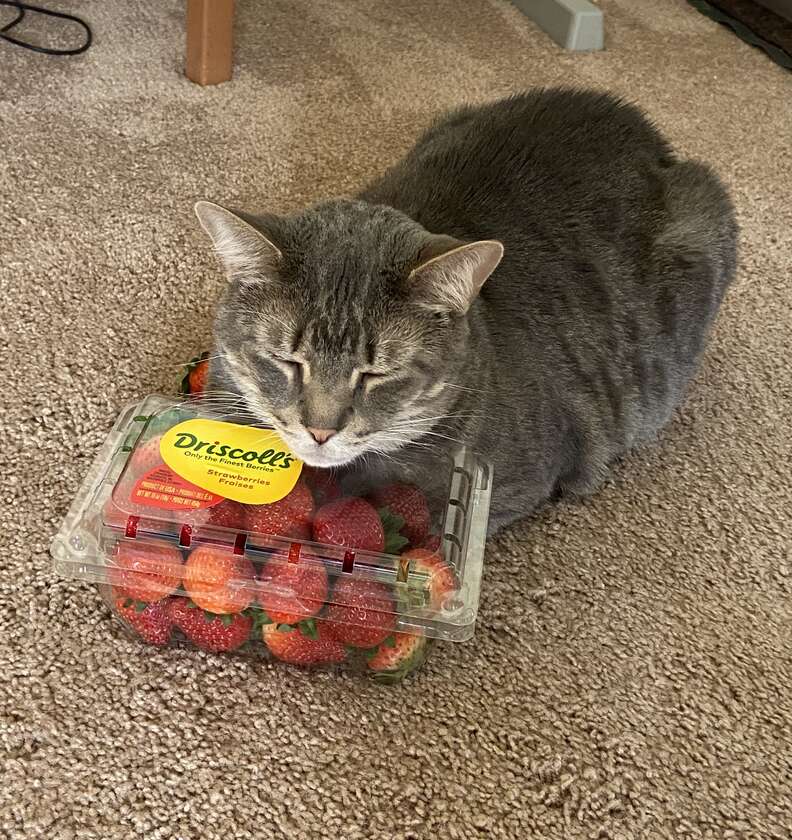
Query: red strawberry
{"x": 289, "y": 517}
{"x": 432, "y": 543}
{"x": 218, "y": 580}
{"x": 361, "y": 612}
{"x": 225, "y": 514}
{"x": 303, "y": 531}
{"x": 146, "y": 456}
{"x": 143, "y": 459}
{"x": 115, "y": 517}
{"x": 121, "y": 506}
{"x": 196, "y": 378}
{"x": 350, "y": 522}
{"x": 290, "y": 592}
{"x": 152, "y": 622}
{"x": 442, "y": 579}
{"x": 323, "y": 484}
{"x": 399, "y": 654}
{"x": 218, "y": 633}
{"x": 146, "y": 571}
{"x": 408, "y": 502}
{"x": 312, "y": 647}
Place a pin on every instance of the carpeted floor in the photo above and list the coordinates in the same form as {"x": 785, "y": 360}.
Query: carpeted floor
{"x": 631, "y": 676}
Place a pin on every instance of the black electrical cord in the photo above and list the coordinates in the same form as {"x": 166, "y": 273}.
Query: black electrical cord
{"x": 22, "y": 8}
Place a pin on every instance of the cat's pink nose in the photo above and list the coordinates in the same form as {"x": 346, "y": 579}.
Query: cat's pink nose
{"x": 321, "y": 435}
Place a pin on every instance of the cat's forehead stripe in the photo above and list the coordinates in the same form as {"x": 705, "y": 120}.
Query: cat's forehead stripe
{"x": 331, "y": 338}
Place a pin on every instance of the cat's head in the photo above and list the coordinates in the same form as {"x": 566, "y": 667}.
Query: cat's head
{"x": 344, "y": 326}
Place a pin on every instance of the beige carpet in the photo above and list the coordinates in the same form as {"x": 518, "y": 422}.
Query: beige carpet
{"x": 631, "y": 676}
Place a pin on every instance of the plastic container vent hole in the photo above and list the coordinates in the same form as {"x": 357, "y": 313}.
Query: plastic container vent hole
{"x": 453, "y": 603}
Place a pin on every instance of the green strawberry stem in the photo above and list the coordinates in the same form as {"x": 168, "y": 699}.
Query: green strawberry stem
{"x": 392, "y": 525}
{"x": 308, "y": 629}
{"x": 260, "y": 619}
{"x": 210, "y": 616}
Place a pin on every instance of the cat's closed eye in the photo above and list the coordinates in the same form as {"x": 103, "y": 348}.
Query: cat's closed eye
{"x": 291, "y": 367}
{"x": 366, "y": 379}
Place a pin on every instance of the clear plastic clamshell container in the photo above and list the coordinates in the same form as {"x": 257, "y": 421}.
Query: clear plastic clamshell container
{"x": 205, "y": 533}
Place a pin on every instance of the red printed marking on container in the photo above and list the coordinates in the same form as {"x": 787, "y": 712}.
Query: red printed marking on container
{"x": 162, "y": 488}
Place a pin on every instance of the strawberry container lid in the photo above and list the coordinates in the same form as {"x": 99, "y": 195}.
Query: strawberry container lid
{"x": 175, "y": 482}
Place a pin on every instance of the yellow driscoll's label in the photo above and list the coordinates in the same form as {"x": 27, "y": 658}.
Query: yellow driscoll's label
{"x": 248, "y": 465}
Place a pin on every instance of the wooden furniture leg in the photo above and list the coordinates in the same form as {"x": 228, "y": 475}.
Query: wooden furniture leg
{"x": 210, "y": 41}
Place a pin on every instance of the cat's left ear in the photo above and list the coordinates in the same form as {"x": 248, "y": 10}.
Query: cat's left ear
{"x": 449, "y": 281}
{"x": 246, "y": 254}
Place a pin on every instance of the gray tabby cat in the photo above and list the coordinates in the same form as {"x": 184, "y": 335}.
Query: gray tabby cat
{"x": 536, "y": 278}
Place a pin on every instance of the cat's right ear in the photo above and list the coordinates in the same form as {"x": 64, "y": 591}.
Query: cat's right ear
{"x": 451, "y": 273}
{"x": 247, "y": 255}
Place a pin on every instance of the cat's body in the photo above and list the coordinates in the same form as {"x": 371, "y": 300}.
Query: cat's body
{"x": 578, "y": 346}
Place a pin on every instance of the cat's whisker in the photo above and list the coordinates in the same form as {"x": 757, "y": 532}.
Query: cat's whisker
{"x": 465, "y": 388}
{"x": 427, "y": 444}
{"x": 214, "y": 400}
{"x": 216, "y": 392}
{"x": 398, "y": 437}
{"x": 214, "y": 396}
{"x": 407, "y": 443}
{"x": 424, "y": 424}
{"x": 444, "y": 437}
{"x": 455, "y": 416}
{"x": 218, "y": 406}
{"x": 188, "y": 362}
{"x": 205, "y": 395}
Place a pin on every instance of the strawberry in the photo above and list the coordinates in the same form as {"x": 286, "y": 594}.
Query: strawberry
{"x": 145, "y": 457}
{"x": 218, "y": 580}
{"x": 408, "y": 502}
{"x": 399, "y": 654}
{"x": 217, "y": 633}
{"x": 431, "y": 543}
{"x": 146, "y": 571}
{"x": 115, "y": 517}
{"x": 152, "y": 622}
{"x": 197, "y": 377}
{"x": 289, "y": 517}
{"x": 362, "y": 612}
{"x": 442, "y": 579}
{"x": 305, "y": 645}
{"x": 323, "y": 484}
{"x": 289, "y": 592}
{"x": 226, "y": 514}
{"x": 303, "y": 532}
{"x": 349, "y": 522}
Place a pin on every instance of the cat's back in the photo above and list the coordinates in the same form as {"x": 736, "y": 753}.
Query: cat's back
{"x": 541, "y": 154}
{"x": 617, "y": 256}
